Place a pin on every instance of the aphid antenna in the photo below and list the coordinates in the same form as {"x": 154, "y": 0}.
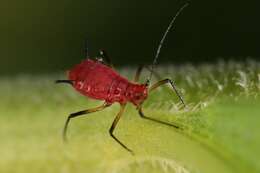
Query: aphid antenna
{"x": 162, "y": 41}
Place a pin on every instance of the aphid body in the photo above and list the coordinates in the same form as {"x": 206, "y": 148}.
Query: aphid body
{"x": 98, "y": 81}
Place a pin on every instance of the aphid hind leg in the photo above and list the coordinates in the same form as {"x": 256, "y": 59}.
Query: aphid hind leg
{"x": 112, "y": 128}
{"x": 104, "y": 55}
{"x": 140, "y": 111}
{"x": 80, "y": 113}
{"x": 166, "y": 81}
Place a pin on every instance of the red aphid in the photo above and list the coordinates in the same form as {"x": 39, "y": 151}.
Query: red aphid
{"x": 96, "y": 80}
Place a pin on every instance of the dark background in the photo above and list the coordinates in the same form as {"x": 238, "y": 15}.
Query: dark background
{"x": 46, "y": 36}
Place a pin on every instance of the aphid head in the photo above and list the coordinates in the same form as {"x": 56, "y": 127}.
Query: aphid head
{"x": 137, "y": 94}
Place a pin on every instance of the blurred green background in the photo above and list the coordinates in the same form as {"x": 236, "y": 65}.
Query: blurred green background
{"x": 47, "y": 36}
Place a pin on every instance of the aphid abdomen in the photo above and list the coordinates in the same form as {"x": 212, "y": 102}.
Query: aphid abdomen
{"x": 117, "y": 91}
{"x": 95, "y": 80}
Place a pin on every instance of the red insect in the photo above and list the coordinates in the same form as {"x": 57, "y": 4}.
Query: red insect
{"x": 97, "y": 80}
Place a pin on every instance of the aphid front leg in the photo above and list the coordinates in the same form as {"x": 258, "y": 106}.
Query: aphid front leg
{"x": 153, "y": 87}
{"x": 155, "y": 120}
{"x": 166, "y": 81}
{"x": 84, "y": 112}
{"x": 139, "y": 71}
{"x": 112, "y": 128}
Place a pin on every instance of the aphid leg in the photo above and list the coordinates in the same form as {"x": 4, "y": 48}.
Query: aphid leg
{"x": 64, "y": 81}
{"x": 76, "y": 114}
{"x": 114, "y": 125}
{"x": 139, "y": 71}
{"x": 166, "y": 81}
{"x": 106, "y": 57}
{"x": 155, "y": 120}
